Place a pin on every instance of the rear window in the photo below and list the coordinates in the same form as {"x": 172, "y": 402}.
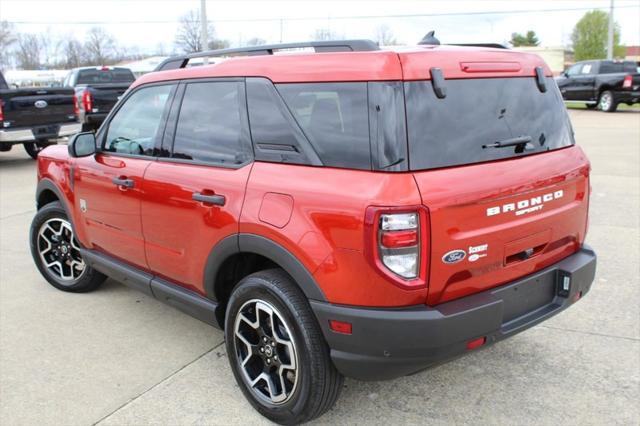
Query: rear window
{"x": 101, "y": 76}
{"x": 609, "y": 67}
{"x": 480, "y": 112}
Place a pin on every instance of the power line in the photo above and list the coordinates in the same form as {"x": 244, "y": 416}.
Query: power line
{"x": 315, "y": 18}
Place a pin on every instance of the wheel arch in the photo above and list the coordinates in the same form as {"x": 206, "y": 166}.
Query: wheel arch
{"x": 47, "y": 192}
{"x": 251, "y": 253}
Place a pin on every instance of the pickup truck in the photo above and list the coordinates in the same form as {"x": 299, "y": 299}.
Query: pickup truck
{"x": 601, "y": 84}
{"x": 35, "y": 116}
{"x": 97, "y": 91}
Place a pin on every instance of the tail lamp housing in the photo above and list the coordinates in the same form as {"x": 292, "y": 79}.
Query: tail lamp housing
{"x": 76, "y": 106}
{"x": 627, "y": 82}
{"x": 1, "y": 111}
{"x": 87, "y": 101}
{"x": 398, "y": 244}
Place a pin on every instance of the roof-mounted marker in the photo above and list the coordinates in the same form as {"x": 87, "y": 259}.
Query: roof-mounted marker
{"x": 437, "y": 82}
{"x": 429, "y": 39}
{"x": 540, "y": 80}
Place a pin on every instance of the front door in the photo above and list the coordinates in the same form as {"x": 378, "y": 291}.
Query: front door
{"x": 193, "y": 197}
{"x": 109, "y": 184}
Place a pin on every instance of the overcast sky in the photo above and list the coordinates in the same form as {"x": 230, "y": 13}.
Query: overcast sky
{"x": 149, "y": 23}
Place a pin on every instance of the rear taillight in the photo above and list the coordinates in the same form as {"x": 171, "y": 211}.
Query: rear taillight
{"x": 627, "y": 82}
{"x": 398, "y": 244}
{"x": 76, "y": 106}
{"x": 87, "y": 101}
{"x": 1, "y": 112}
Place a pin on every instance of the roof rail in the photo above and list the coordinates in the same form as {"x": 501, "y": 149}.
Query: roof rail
{"x": 176, "y": 62}
{"x": 492, "y": 45}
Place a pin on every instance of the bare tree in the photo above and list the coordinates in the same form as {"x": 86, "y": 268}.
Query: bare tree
{"x": 217, "y": 43}
{"x": 28, "y": 51}
{"x": 72, "y": 53}
{"x": 256, "y": 41}
{"x": 100, "y": 47}
{"x": 188, "y": 36}
{"x": 384, "y": 36}
{"x": 7, "y": 39}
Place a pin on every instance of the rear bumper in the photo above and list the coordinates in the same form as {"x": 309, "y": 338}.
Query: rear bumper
{"x": 27, "y": 135}
{"x": 388, "y": 343}
{"x": 628, "y": 96}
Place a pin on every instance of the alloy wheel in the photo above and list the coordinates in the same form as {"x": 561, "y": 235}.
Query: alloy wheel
{"x": 266, "y": 352}
{"x": 59, "y": 250}
{"x": 605, "y": 101}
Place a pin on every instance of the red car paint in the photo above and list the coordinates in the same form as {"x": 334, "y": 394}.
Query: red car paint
{"x": 319, "y": 214}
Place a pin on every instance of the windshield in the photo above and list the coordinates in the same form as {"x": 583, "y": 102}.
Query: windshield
{"x": 101, "y": 76}
{"x": 483, "y": 120}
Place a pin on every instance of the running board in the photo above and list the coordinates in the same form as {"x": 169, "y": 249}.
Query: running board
{"x": 187, "y": 301}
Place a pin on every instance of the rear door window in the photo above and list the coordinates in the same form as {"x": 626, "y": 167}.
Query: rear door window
{"x": 211, "y": 124}
{"x": 105, "y": 76}
{"x": 477, "y": 113}
{"x": 334, "y": 116}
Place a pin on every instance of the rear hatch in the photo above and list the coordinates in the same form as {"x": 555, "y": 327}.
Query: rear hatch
{"x": 38, "y": 106}
{"x": 497, "y": 213}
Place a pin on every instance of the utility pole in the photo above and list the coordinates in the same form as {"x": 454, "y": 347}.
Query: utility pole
{"x": 610, "y": 39}
{"x": 203, "y": 28}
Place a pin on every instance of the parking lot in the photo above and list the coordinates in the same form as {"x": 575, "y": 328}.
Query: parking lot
{"x": 117, "y": 357}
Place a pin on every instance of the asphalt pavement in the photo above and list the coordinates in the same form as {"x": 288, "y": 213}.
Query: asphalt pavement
{"x": 118, "y": 357}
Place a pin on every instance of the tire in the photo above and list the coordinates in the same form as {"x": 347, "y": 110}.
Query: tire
{"x": 607, "y": 101}
{"x": 34, "y": 148}
{"x": 65, "y": 269}
{"x": 304, "y": 392}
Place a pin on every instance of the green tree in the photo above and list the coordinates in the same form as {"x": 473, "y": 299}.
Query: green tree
{"x": 529, "y": 39}
{"x": 590, "y": 35}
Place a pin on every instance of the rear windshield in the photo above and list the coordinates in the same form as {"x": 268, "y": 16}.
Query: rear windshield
{"x": 609, "y": 67}
{"x": 100, "y": 76}
{"x": 464, "y": 127}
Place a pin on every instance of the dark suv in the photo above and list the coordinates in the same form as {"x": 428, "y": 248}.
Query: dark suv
{"x": 349, "y": 211}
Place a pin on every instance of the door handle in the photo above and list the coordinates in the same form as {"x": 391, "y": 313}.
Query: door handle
{"x": 123, "y": 181}
{"x": 215, "y": 199}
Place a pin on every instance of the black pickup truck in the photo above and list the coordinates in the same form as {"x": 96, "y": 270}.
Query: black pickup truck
{"x": 601, "y": 84}
{"x": 97, "y": 91}
{"x": 35, "y": 116}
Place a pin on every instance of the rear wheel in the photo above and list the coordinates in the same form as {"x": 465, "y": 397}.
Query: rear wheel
{"x": 56, "y": 252}
{"x": 607, "y": 101}
{"x": 34, "y": 148}
{"x": 276, "y": 349}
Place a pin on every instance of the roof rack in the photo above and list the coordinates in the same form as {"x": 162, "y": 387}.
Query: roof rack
{"x": 176, "y": 62}
{"x": 492, "y": 45}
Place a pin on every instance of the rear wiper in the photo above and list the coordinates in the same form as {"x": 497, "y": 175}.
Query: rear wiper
{"x": 520, "y": 140}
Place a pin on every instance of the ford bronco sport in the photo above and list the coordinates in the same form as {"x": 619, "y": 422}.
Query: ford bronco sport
{"x": 343, "y": 211}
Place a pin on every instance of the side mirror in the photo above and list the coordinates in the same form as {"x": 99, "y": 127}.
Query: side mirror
{"x": 82, "y": 145}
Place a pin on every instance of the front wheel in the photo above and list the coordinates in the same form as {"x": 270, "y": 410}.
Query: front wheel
{"x": 34, "y": 148}
{"x": 276, "y": 349}
{"x": 56, "y": 252}
{"x": 607, "y": 101}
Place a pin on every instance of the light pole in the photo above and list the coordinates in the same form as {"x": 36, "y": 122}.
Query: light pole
{"x": 203, "y": 28}
{"x": 610, "y": 39}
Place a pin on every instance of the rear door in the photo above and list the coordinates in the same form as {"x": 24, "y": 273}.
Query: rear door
{"x": 497, "y": 213}
{"x": 194, "y": 195}
{"x": 109, "y": 184}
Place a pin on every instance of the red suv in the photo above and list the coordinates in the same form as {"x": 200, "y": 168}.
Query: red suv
{"x": 343, "y": 211}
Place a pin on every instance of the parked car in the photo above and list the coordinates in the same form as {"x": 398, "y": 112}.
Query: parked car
{"x": 351, "y": 212}
{"x": 35, "y": 116}
{"x": 97, "y": 91}
{"x": 601, "y": 84}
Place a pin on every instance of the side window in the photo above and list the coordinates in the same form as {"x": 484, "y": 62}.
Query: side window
{"x": 276, "y": 136}
{"x": 574, "y": 70}
{"x": 136, "y": 127}
{"x": 335, "y": 117}
{"x": 210, "y": 125}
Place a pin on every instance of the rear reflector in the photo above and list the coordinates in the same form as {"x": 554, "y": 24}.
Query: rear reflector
{"x": 395, "y": 239}
{"x": 472, "y": 344}
{"x": 340, "y": 326}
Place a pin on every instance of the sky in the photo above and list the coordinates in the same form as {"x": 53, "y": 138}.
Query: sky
{"x": 151, "y": 24}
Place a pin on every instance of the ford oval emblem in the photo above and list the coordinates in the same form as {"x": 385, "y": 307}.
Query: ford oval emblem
{"x": 41, "y": 104}
{"x": 454, "y": 256}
